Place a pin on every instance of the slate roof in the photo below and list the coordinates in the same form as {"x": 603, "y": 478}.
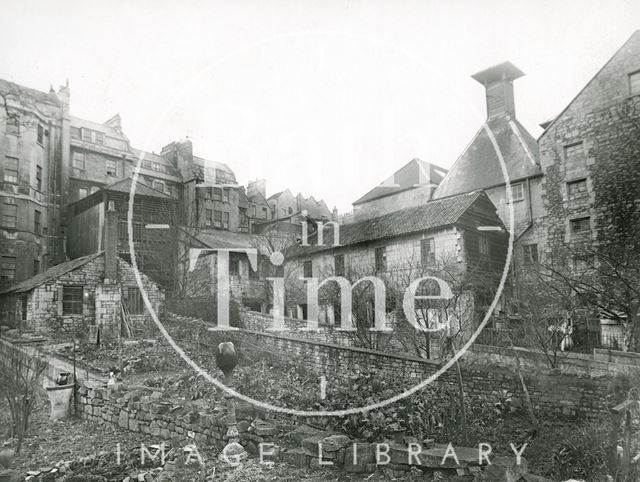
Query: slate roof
{"x": 479, "y": 166}
{"x": 409, "y": 176}
{"x": 432, "y": 215}
{"x": 51, "y": 274}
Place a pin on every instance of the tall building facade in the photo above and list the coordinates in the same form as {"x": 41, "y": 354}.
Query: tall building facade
{"x": 34, "y": 129}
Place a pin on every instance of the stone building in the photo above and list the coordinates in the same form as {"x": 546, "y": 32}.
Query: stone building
{"x": 411, "y": 185}
{"x": 444, "y": 237}
{"x": 479, "y": 166}
{"x": 590, "y": 156}
{"x": 34, "y": 127}
{"x": 95, "y": 290}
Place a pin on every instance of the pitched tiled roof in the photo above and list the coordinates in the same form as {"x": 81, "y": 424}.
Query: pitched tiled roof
{"x": 51, "y": 274}
{"x": 409, "y": 176}
{"x": 432, "y": 215}
{"x": 479, "y": 166}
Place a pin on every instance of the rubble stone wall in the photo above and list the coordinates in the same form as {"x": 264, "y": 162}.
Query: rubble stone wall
{"x": 555, "y": 393}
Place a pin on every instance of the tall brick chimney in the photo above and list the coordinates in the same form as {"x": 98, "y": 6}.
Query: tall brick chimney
{"x": 498, "y": 84}
{"x": 111, "y": 244}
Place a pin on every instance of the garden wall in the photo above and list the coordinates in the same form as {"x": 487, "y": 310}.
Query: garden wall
{"x": 554, "y": 393}
{"x": 602, "y": 363}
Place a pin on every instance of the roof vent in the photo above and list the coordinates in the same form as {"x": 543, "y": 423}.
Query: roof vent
{"x": 498, "y": 83}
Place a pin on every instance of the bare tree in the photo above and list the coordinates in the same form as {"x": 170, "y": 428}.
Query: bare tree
{"x": 20, "y": 377}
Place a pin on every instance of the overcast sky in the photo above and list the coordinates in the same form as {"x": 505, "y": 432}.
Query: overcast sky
{"x": 324, "y": 97}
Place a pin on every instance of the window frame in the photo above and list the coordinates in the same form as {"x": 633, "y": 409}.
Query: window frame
{"x": 40, "y": 134}
{"x": 37, "y": 221}
{"x": 225, "y": 195}
{"x": 71, "y": 305}
{"x": 225, "y": 220}
{"x": 8, "y": 264}
{"x": 338, "y": 267}
{"x": 380, "y": 259}
{"x": 575, "y": 182}
{"x": 111, "y": 163}
{"x": 135, "y": 302}
{"x": 9, "y": 216}
{"x": 217, "y": 218}
{"x": 307, "y": 268}
{"x": 519, "y": 197}
{"x": 632, "y": 81}
{"x": 86, "y": 192}
{"x": 530, "y": 254}
{"x": 428, "y": 256}
{"x": 15, "y": 176}
{"x": 77, "y": 157}
{"x": 208, "y": 217}
{"x": 217, "y": 194}
{"x": 580, "y": 232}
{"x": 157, "y": 184}
{"x": 39, "y": 178}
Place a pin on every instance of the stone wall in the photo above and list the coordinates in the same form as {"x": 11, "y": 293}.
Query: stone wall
{"x": 100, "y": 301}
{"x": 605, "y": 118}
{"x": 555, "y": 393}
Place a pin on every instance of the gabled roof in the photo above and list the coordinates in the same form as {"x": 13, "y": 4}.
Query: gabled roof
{"x": 479, "y": 166}
{"x": 548, "y": 125}
{"x": 432, "y": 215}
{"x": 412, "y": 175}
{"x": 51, "y": 274}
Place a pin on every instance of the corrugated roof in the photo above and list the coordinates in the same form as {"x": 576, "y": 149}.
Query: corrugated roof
{"x": 51, "y": 274}
{"x": 479, "y": 166}
{"x": 431, "y": 215}
{"x": 411, "y": 175}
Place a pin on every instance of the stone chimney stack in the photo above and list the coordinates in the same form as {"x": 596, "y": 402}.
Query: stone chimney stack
{"x": 498, "y": 84}
{"x": 111, "y": 244}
